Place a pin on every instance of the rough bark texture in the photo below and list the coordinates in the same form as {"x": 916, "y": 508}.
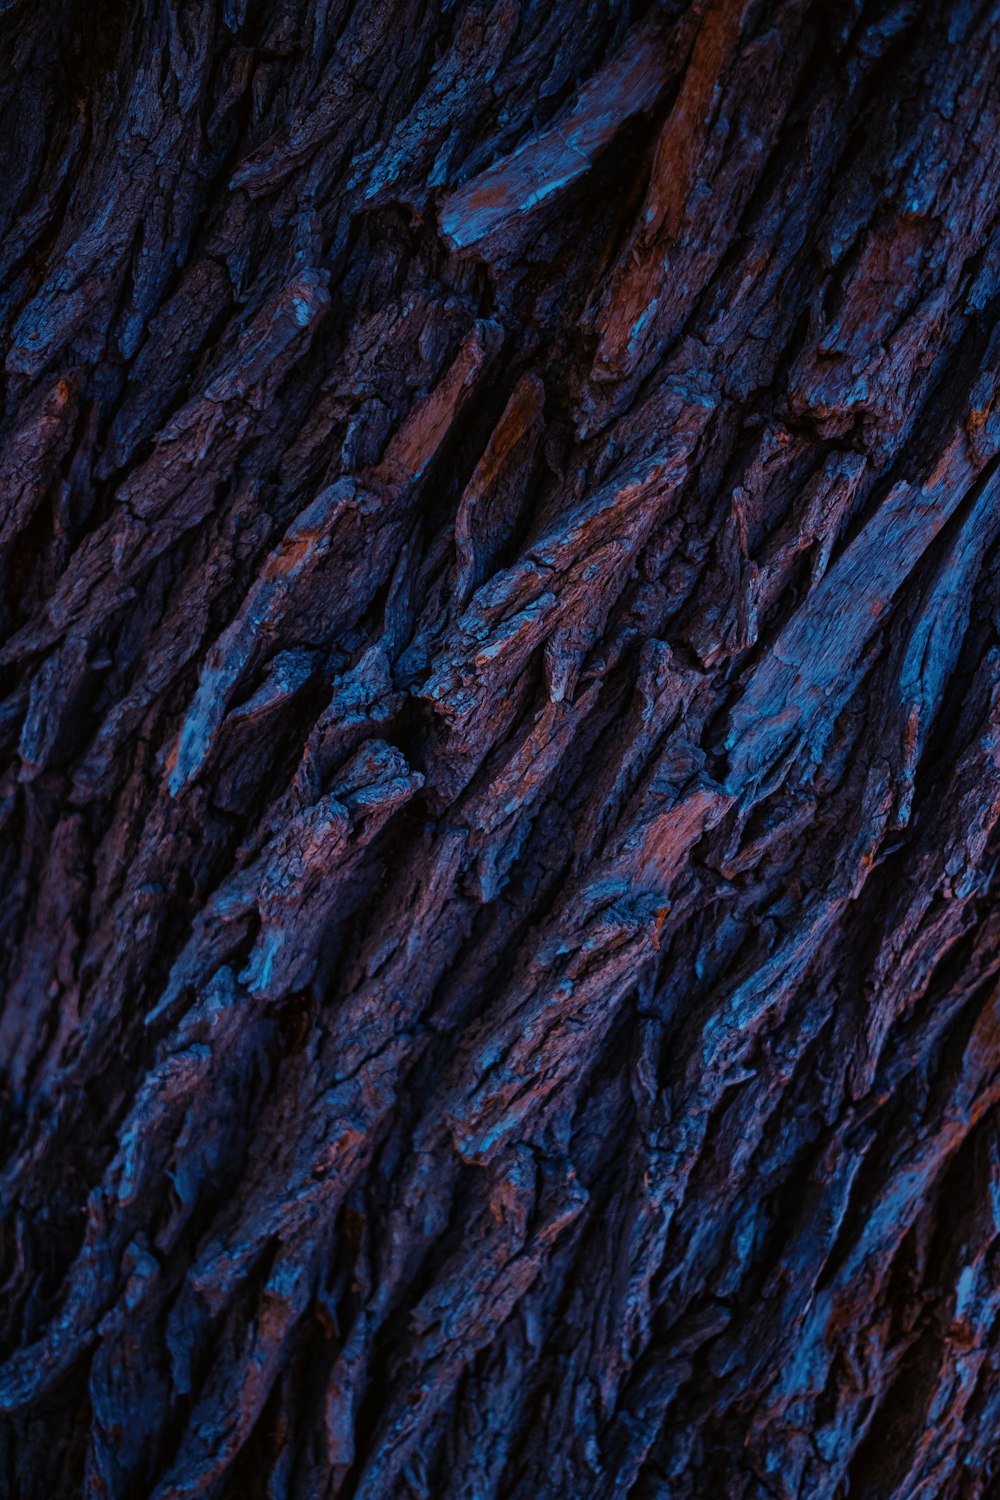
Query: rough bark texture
{"x": 501, "y": 740}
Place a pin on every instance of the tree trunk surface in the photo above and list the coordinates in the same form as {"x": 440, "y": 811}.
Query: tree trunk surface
{"x": 500, "y": 714}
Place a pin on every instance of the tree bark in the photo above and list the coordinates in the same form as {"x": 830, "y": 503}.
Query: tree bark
{"x": 500, "y": 726}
